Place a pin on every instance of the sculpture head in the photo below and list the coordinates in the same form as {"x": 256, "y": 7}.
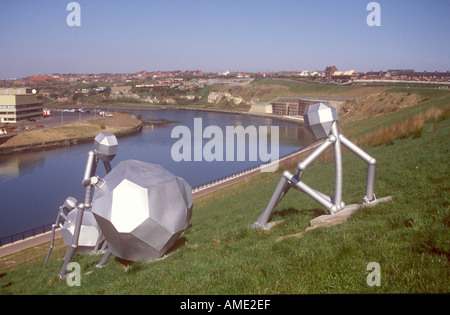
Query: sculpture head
{"x": 319, "y": 118}
{"x": 105, "y": 146}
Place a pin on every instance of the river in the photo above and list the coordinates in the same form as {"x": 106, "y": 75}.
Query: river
{"x": 34, "y": 185}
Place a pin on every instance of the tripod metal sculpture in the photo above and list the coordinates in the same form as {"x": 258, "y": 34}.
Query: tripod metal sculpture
{"x": 321, "y": 120}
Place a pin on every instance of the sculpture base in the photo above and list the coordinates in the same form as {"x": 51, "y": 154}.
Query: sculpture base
{"x": 337, "y": 218}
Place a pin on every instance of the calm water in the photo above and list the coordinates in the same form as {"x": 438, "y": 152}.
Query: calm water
{"x": 34, "y": 185}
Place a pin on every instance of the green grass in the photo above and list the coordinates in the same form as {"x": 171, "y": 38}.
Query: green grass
{"x": 435, "y": 98}
{"x": 219, "y": 253}
{"x": 300, "y": 88}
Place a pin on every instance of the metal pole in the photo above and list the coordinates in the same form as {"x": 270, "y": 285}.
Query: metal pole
{"x": 319, "y": 197}
{"x": 53, "y": 236}
{"x": 91, "y": 166}
{"x": 371, "y": 161}
{"x": 74, "y": 245}
{"x": 337, "y": 167}
{"x": 316, "y": 153}
{"x": 370, "y": 182}
{"x": 282, "y": 187}
{"x": 104, "y": 259}
{"x": 108, "y": 167}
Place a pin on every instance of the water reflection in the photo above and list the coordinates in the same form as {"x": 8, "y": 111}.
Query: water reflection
{"x": 12, "y": 166}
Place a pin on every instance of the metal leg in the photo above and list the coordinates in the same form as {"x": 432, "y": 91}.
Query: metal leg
{"x": 321, "y": 198}
{"x": 370, "y": 196}
{"x": 52, "y": 241}
{"x": 104, "y": 259}
{"x": 74, "y": 245}
{"x": 97, "y": 243}
{"x": 284, "y": 185}
{"x": 337, "y": 168}
{"x": 278, "y": 194}
{"x": 108, "y": 167}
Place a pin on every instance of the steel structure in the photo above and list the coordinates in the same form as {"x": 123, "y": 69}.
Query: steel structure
{"x": 72, "y": 212}
{"x": 138, "y": 210}
{"x": 321, "y": 120}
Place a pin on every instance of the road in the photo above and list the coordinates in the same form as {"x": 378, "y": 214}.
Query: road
{"x": 57, "y": 118}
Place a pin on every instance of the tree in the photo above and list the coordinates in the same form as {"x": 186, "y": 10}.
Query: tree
{"x": 76, "y": 96}
{"x": 107, "y": 91}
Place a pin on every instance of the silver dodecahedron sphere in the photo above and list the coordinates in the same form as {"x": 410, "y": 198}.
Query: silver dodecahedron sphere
{"x": 89, "y": 231}
{"x": 105, "y": 146}
{"x": 319, "y": 118}
{"x": 142, "y": 209}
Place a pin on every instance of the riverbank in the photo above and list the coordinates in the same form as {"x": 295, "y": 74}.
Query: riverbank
{"x": 120, "y": 124}
{"x": 292, "y": 119}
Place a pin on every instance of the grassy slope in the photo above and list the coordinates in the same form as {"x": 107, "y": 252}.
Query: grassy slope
{"x": 435, "y": 98}
{"x": 220, "y": 254}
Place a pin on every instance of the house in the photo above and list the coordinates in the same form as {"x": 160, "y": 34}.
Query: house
{"x": 345, "y": 75}
{"x": 329, "y": 71}
{"x": 120, "y": 89}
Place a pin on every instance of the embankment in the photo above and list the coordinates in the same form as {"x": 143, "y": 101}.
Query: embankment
{"x": 121, "y": 125}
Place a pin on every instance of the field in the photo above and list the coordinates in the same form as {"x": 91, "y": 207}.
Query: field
{"x": 219, "y": 253}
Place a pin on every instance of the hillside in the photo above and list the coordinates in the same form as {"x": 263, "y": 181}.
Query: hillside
{"x": 370, "y": 101}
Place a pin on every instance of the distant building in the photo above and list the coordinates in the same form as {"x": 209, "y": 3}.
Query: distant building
{"x": 291, "y": 108}
{"x": 345, "y": 75}
{"x": 120, "y": 89}
{"x": 287, "y": 107}
{"x": 332, "y": 73}
{"x": 19, "y": 104}
{"x": 260, "y": 107}
{"x": 329, "y": 71}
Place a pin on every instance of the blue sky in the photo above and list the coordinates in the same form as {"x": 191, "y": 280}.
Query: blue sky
{"x": 217, "y": 35}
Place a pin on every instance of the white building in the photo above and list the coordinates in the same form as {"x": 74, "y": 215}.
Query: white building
{"x": 19, "y": 104}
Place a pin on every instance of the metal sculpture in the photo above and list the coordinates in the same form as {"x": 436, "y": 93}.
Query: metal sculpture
{"x": 89, "y": 232}
{"x": 138, "y": 211}
{"x": 142, "y": 209}
{"x": 321, "y": 120}
{"x": 105, "y": 149}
